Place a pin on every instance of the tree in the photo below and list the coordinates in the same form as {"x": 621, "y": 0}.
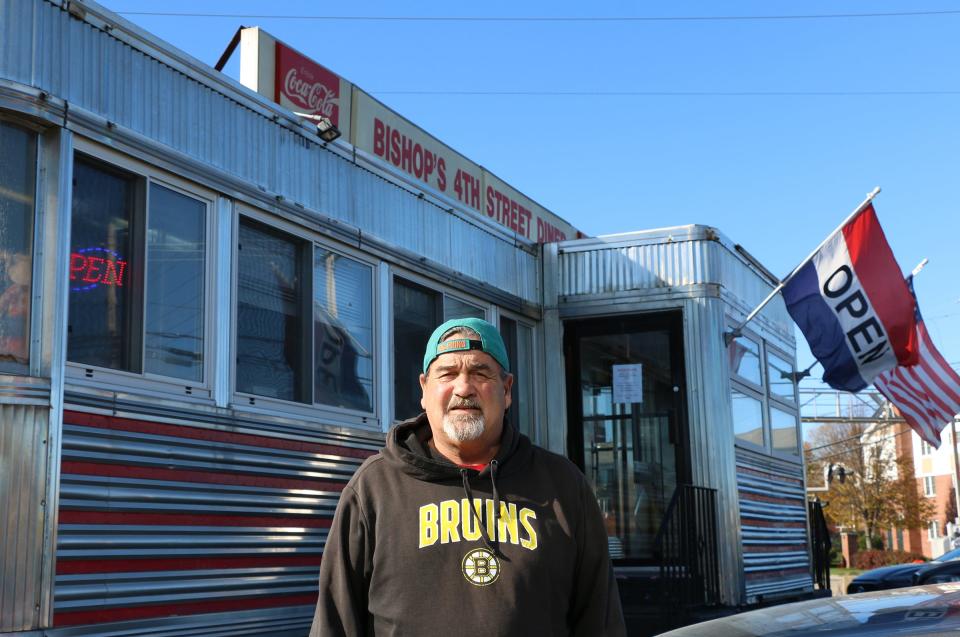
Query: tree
{"x": 880, "y": 490}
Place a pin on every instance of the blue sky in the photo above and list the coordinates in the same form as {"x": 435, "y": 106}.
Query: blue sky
{"x": 771, "y": 130}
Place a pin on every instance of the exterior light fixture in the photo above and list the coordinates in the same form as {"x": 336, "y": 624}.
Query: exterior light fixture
{"x": 325, "y": 128}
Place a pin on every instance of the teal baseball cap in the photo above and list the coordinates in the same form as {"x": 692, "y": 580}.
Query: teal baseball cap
{"x": 490, "y": 342}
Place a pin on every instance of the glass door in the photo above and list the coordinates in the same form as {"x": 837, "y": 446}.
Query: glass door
{"x": 627, "y": 426}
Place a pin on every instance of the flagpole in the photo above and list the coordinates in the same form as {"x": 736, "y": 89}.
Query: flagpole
{"x": 738, "y": 330}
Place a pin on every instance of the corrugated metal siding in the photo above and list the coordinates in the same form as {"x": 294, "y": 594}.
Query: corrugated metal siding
{"x": 162, "y": 520}
{"x": 773, "y": 516}
{"x": 711, "y": 432}
{"x": 23, "y": 468}
{"x": 671, "y": 258}
{"x": 224, "y": 126}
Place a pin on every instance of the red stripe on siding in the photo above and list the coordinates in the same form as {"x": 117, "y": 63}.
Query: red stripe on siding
{"x": 755, "y": 497}
{"x": 71, "y": 516}
{"x": 126, "y": 565}
{"x": 183, "y": 475}
{"x": 100, "y": 616}
{"x": 883, "y": 283}
{"x": 197, "y": 433}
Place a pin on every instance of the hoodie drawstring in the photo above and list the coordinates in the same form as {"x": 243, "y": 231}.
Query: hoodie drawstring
{"x": 495, "y": 549}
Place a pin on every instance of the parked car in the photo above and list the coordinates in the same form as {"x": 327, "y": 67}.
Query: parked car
{"x": 939, "y": 573}
{"x": 897, "y": 575}
{"x": 919, "y": 610}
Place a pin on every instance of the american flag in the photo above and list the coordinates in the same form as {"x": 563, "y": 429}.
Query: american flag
{"x": 928, "y": 393}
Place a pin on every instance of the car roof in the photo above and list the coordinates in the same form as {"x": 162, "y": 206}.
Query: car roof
{"x": 917, "y": 610}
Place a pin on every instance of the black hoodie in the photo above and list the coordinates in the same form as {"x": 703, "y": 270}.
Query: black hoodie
{"x": 406, "y": 555}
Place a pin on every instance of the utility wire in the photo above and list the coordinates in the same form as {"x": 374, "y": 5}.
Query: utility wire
{"x": 872, "y": 442}
{"x": 714, "y": 18}
{"x": 851, "y": 438}
{"x": 471, "y": 93}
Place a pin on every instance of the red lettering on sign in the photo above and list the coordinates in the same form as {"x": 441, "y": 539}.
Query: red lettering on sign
{"x": 114, "y": 273}
{"x": 97, "y": 270}
{"x": 77, "y": 263}
{"x": 379, "y": 138}
{"x": 442, "y": 174}
{"x": 394, "y": 147}
{"x": 93, "y": 273}
{"x": 418, "y": 161}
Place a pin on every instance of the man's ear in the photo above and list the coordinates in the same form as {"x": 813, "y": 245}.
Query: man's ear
{"x": 507, "y": 395}
{"x": 423, "y": 389}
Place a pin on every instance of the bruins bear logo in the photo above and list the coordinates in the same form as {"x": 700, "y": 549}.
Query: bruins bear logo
{"x": 480, "y": 567}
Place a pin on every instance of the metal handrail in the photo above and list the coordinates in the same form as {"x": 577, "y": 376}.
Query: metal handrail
{"x": 687, "y": 549}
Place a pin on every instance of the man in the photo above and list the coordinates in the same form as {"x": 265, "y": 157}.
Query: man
{"x": 460, "y": 526}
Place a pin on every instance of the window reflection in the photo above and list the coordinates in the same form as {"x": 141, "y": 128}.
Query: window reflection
{"x": 100, "y": 315}
{"x": 343, "y": 331}
{"x": 747, "y": 418}
{"x": 173, "y": 339}
{"x": 780, "y": 374}
{"x": 270, "y": 334}
{"x": 17, "y": 187}
{"x": 744, "y": 359}
{"x": 783, "y": 430}
{"x": 416, "y": 312}
{"x": 518, "y": 339}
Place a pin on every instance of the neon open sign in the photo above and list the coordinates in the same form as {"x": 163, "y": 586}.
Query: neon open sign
{"x": 92, "y": 267}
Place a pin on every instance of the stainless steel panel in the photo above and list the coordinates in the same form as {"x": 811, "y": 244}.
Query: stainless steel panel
{"x": 643, "y": 263}
{"x": 23, "y": 472}
{"x": 711, "y": 430}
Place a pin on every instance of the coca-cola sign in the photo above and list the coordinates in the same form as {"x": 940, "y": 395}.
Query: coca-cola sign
{"x": 303, "y": 85}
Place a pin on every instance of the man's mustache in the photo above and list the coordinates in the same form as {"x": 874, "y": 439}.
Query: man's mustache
{"x": 463, "y": 403}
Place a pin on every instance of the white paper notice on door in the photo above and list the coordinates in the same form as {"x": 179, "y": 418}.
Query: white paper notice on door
{"x": 628, "y": 383}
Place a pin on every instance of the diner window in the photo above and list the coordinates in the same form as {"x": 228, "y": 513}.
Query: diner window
{"x": 455, "y": 308}
{"x": 744, "y": 360}
{"x": 783, "y": 431}
{"x": 925, "y": 448}
{"x": 137, "y": 273}
{"x": 272, "y": 359}
{"x": 763, "y": 404}
{"x": 518, "y": 339}
{"x": 748, "y": 418}
{"x": 101, "y": 268}
{"x": 780, "y": 377}
{"x": 17, "y": 203}
{"x": 929, "y": 486}
{"x": 173, "y": 341}
{"x": 343, "y": 331}
{"x": 417, "y": 311}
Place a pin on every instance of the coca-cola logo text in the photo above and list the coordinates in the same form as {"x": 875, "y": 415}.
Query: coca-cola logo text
{"x": 316, "y": 96}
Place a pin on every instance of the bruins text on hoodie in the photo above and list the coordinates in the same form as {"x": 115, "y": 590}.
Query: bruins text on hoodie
{"x": 420, "y": 547}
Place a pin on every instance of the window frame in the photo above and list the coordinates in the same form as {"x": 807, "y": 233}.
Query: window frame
{"x": 768, "y": 400}
{"x": 784, "y": 405}
{"x": 311, "y": 411}
{"x": 83, "y": 375}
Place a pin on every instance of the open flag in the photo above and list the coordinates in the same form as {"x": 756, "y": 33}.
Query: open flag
{"x": 852, "y": 305}
{"x": 928, "y": 393}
